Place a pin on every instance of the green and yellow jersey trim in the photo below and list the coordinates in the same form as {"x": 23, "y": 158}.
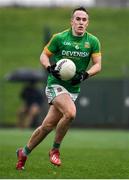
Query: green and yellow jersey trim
{"x": 96, "y": 54}
{"x": 47, "y": 52}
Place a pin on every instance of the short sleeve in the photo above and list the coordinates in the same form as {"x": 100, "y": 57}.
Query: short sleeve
{"x": 96, "y": 47}
{"x": 52, "y": 46}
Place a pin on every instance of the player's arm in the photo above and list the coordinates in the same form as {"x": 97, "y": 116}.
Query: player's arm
{"x": 50, "y": 49}
{"x": 44, "y": 59}
{"x": 96, "y": 67}
{"x": 95, "y": 57}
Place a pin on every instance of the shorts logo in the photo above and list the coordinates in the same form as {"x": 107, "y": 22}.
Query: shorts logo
{"x": 59, "y": 89}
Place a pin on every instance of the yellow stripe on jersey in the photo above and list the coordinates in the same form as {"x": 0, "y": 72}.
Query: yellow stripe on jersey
{"x": 96, "y": 54}
{"x": 47, "y": 52}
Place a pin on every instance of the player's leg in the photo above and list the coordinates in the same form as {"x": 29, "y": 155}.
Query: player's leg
{"x": 67, "y": 107}
{"x": 47, "y": 126}
{"x": 38, "y": 135}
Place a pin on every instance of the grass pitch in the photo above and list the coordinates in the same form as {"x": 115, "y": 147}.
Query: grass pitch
{"x": 85, "y": 154}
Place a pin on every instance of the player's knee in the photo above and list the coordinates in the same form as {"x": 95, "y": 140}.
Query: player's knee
{"x": 70, "y": 114}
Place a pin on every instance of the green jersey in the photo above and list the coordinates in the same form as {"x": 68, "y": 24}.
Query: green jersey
{"x": 79, "y": 49}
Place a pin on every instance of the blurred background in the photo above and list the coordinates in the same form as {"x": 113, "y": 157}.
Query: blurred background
{"x": 27, "y": 25}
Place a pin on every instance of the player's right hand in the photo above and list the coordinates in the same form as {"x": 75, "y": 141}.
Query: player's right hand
{"x": 51, "y": 70}
{"x": 79, "y": 77}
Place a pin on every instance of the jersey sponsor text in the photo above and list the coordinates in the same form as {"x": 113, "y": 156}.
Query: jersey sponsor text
{"x": 75, "y": 53}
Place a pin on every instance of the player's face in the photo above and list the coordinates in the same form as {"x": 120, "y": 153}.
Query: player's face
{"x": 79, "y": 22}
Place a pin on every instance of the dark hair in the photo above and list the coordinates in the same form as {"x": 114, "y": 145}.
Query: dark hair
{"x": 81, "y": 8}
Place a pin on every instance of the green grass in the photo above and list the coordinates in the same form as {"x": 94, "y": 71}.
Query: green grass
{"x": 88, "y": 154}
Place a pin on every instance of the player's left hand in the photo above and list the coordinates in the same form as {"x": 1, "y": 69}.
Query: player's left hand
{"x": 79, "y": 77}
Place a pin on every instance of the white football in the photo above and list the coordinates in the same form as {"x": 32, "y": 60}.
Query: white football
{"x": 66, "y": 68}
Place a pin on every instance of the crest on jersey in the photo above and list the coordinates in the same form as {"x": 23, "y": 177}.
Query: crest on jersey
{"x": 87, "y": 45}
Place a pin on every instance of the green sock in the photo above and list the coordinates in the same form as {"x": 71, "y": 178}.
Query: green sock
{"x": 26, "y": 150}
{"x": 56, "y": 145}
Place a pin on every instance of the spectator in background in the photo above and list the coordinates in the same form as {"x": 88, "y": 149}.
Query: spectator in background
{"x": 28, "y": 113}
